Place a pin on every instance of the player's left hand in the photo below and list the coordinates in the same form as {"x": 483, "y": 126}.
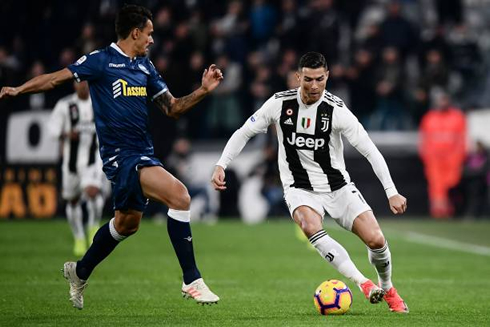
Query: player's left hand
{"x": 211, "y": 78}
{"x": 398, "y": 204}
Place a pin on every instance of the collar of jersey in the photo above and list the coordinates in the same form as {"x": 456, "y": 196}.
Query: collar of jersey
{"x": 304, "y": 105}
{"x": 118, "y": 49}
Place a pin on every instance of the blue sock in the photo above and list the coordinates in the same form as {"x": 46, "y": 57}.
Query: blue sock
{"x": 181, "y": 237}
{"x": 103, "y": 244}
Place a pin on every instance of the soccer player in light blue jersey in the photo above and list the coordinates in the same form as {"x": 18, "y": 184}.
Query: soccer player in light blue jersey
{"x": 121, "y": 78}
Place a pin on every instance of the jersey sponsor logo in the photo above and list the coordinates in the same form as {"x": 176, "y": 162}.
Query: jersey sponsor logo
{"x": 289, "y": 112}
{"x": 307, "y": 143}
{"x": 305, "y": 122}
{"x": 112, "y": 65}
{"x": 289, "y": 121}
{"x": 120, "y": 87}
{"x": 252, "y": 119}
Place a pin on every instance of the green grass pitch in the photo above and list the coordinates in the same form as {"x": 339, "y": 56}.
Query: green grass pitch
{"x": 263, "y": 273}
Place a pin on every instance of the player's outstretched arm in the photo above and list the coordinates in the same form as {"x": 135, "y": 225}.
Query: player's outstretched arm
{"x": 174, "y": 107}
{"x": 218, "y": 178}
{"x": 38, "y": 84}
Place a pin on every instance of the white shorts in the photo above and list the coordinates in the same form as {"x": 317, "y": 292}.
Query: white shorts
{"x": 343, "y": 205}
{"x": 74, "y": 184}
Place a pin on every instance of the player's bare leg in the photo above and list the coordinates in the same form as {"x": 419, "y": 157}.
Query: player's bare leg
{"x": 367, "y": 228}
{"x": 311, "y": 224}
{"x": 160, "y": 185}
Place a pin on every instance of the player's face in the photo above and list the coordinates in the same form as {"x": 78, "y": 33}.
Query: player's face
{"x": 144, "y": 39}
{"x": 312, "y": 82}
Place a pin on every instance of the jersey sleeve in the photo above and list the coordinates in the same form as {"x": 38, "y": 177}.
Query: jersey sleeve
{"x": 156, "y": 85}
{"x": 56, "y": 122}
{"x": 257, "y": 123}
{"x": 262, "y": 118}
{"x": 88, "y": 67}
{"x": 347, "y": 124}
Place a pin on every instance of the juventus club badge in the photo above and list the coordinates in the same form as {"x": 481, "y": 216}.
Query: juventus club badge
{"x": 325, "y": 123}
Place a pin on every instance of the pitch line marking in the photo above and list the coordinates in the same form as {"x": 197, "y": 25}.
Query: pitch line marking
{"x": 445, "y": 243}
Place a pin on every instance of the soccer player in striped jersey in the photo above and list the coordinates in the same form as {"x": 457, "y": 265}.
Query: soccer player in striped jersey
{"x": 121, "y": 79}
{"x": 72, "y": 121}
{"x": 310, "y": 122}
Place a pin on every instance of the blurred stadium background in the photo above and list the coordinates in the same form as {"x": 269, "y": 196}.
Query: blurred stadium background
{"x": 389, "y": 61}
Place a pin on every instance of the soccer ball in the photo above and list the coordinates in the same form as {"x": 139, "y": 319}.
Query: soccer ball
{"x": 332, "y": 297}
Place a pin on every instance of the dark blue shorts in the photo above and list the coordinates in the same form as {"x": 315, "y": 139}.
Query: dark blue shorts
{"x": 122, "y": 171}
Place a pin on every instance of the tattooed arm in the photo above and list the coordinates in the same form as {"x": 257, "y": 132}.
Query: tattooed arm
{"x": 174, "y": 107}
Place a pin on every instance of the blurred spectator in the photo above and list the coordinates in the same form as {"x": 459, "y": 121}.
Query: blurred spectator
{"x": 360, "y": 79}
{"x": 442, "y": 150}
{"x": 225, "y": 113}
{"x": 434, "y": 39}
{"x": 390, "y": 113}
{"x": 475, "y": 181}
{"x": 263, "y": 17}
{"x": 38, "y": 100}
{"x": 321, "y": 29}
{"x": 263, "y": 37}
{"x": 466, "y": 60}
{"x": 179, "y": 165}
{"x": 449, "y": 11}
{"x": 229, "y": 33}
{"x": 398, "y": 32}
{"x": 87, "y": 41}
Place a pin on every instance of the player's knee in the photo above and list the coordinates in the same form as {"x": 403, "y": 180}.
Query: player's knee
{"x": 376, "y": 241}
{"x": 181, "y": 200}
{"x": 127, "y": 229}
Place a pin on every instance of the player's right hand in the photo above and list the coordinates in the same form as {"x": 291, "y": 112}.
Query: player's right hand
{"x": 398, "y": 204}
{"x": 8, "y": 92}
{"x": 218, "y": 179}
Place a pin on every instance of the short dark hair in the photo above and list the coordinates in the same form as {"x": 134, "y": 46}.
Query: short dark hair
{"x": 312, "y": 60}
{"x": 131, "y": 17}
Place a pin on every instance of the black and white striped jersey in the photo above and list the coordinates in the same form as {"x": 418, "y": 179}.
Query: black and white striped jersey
{"x": 310, "y": 144}
{"x": 74, "y": 114}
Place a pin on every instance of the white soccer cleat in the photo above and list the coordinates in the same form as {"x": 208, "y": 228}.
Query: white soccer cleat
{"x": 199, "y": 291}
{"x": 77, "y": 285}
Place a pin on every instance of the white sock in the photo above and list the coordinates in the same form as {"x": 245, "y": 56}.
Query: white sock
{"x": 94, "y": 208}
{"x": 75, "y": 219}
{"x": 112, "y": 229}
{"x": 381, "y": 260}
{"x": 337, "y": 256}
